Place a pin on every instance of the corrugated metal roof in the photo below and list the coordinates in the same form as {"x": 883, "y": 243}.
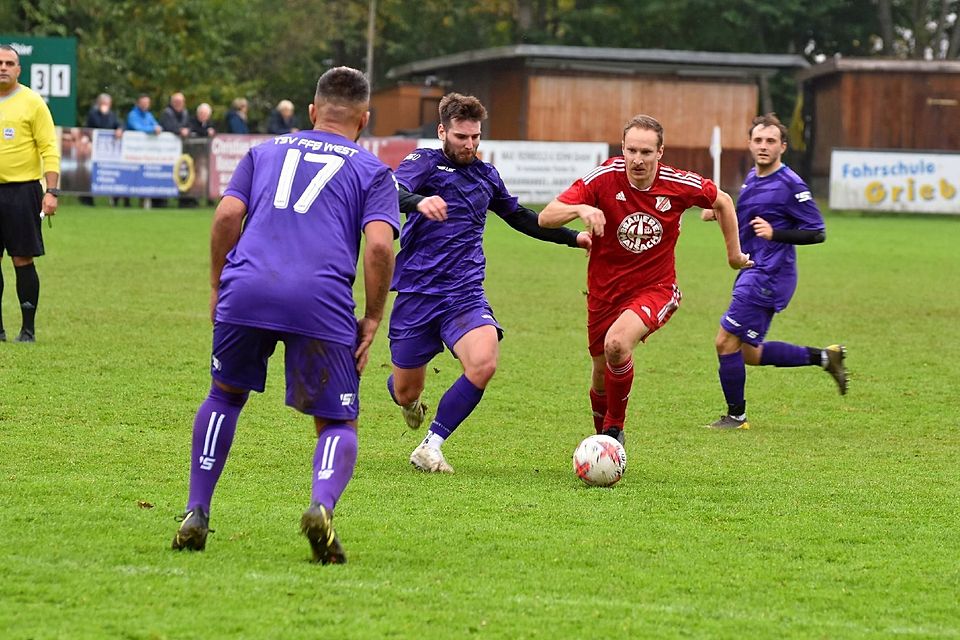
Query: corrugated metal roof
{"x": 714, "y": 63}
{"x": 839, "y": 64}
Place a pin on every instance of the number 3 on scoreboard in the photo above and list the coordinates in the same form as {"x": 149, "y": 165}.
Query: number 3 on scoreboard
{"x": 330, "y": 164}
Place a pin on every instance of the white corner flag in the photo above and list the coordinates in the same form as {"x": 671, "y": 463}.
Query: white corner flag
{"x": 715, "y": 150}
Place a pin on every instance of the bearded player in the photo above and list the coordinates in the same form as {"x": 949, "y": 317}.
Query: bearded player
{"x": 446, "y": 194}
{"x": 632, "y": 205}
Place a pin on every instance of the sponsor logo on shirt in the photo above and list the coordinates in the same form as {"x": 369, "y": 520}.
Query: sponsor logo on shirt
{"x": 412, "y": 156}
{"x": 663, "y": 204}
{"x": 639, "y": 232}
{"x": 8, "y": 133}
{"x": 445, "y": 168}
{"x": 621, "y": 197}
{"x": 803, "y": 196}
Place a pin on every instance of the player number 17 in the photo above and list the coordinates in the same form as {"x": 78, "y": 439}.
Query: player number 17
{"x": 329, "y": 165}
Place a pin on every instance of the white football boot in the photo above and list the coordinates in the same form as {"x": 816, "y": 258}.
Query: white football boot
{"x": 430, "y": 460}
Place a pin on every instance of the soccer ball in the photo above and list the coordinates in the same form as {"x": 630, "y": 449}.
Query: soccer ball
{"x": 599, "y": 461}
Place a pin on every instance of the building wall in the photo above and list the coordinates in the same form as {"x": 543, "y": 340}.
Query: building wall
{"x": 883, "y": 110}
{"x": 403, "y": 108}
{"x": 592, "y": 108}
{"x": 570, "y": 107}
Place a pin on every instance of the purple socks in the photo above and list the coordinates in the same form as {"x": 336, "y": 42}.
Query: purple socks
{"x": 213, "y": 431}
{"x": 456, "y": 404}
{"x": 333, "y": 463}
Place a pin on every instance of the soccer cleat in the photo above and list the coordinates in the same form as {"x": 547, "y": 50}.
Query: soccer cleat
{"x": 617, "y": 434}
{"x": 836, "y": 355}
{"x": 192, "y": 534}
{"x": 430, "y": 460}
{"x": 414, "y": 413}
{"x": 25, "y": 336}
{"x": 729, "y": 422}
{"x": 317, "y": 525}
{"x": 3, "y": 335}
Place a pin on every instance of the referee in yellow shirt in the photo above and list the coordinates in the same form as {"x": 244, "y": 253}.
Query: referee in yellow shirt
{"x": 27, "y": 146}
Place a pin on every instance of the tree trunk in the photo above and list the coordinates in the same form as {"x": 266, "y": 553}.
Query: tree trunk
{"x": 885, "y": 18}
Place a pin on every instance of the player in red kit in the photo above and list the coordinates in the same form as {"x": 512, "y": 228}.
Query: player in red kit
{"x": 632, "y": 204}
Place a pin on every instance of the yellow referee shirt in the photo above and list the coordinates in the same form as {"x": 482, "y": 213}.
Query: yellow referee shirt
{"x": 26, "y": 136}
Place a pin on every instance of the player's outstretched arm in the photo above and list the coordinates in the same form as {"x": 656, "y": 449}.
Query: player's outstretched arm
{"x": 726, "y": 215}
{"x": 224, "y": 235}
{"x": 378, "y": 262}
{"x": 556, "y": 214}
{"x": 526, "y": 222}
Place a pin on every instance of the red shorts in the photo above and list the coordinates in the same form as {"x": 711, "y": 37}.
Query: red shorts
{"x": 654, "y": 305}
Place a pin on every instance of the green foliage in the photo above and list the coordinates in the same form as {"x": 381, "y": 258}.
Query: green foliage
{"x": 266, "y": 50}
{"x": 832, "y": 518}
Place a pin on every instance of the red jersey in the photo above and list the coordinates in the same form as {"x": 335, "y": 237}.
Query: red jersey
{"x": 642, "y": 228}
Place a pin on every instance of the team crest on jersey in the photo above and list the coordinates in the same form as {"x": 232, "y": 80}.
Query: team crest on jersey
{"x": 663, "y": 204}
{"x": 639, "y": 232}
{"x": 8, "y": 133}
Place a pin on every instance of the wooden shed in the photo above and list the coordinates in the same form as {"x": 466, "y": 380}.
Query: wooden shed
{"x": 870, "y": 103}
{"x": 585, "y": 94}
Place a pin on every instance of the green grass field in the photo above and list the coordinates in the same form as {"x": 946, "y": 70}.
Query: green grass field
{"x": 831, "y": 518}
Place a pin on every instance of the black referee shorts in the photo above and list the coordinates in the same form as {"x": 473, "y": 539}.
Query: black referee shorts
{"x": 20, "y": 205}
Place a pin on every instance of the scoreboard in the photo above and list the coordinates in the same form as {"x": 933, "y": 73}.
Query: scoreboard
{"x": 49, "y": 67}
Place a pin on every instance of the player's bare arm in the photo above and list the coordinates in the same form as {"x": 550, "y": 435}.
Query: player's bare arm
{"x": 433, "y": 208}
{"x": 762, "y": 228}
{"x": 557, "y": 214}
{"x": 224, "y": 235}
{"x": 378, "y": 260}
{"x": 726, "y": 215}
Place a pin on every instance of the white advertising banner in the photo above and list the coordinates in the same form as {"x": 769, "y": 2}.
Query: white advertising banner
{"x": 537, "y": 172}
{"x": 908, "y": 181}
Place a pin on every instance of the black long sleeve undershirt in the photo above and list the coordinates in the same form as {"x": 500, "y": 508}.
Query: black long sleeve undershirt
{"x": 525, "y": 221}
{"x": 408, "y": 201}
{"x": 799, "y": 236}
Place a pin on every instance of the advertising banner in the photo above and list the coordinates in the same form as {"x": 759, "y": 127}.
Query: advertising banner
{"x": 136, "y": 164}
{"x": 537, "y": 172}
{"x": 907, "y": 181}
{"x": 226, "y": 151}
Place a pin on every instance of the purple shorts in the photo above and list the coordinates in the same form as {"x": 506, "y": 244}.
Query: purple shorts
{"x": 747, "y": 321}
{"x": 420, "y": 325}
{"x": 322, "y": 377}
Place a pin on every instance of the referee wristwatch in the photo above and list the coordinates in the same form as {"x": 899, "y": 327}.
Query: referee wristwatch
{"x": 54, "y": 192}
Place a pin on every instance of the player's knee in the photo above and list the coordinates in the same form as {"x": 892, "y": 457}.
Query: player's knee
{"x": 615, "y": 350}
{"x": 407, "y": 391}
{"x": 726, "y": 343}
{"x": 480, "y": 373}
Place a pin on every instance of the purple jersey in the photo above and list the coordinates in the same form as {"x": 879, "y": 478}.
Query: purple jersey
{"x": 308, "y": 197}
{"x": 783, "y": 199}
{"x": 445, "y": 257}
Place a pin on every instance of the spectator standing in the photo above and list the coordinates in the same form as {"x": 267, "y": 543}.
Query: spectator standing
{"x": 140, "y": 118}
{"x": 102, "y": 116}
{"x": 175, "y": 117}
{"x": 282, "y": 120}
{"x": 28, "y": 150}
{"x": 237, "y": 116}
{"x": 201, "y": 125}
